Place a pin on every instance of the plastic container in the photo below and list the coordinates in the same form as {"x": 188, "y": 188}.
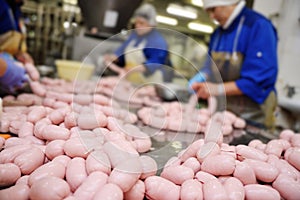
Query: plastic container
{"x": 70, "y": 70}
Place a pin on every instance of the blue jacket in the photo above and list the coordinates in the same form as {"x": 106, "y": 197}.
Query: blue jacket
{"x": 8, "y": 23}
{"x": 258, "y": 44}
{"x": 155, "y": 51}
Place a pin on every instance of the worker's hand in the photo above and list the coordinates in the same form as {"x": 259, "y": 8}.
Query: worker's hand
{"x": 14, "y": 76}
{"x": 207, "y": 89}
{"x": 198, "y": 78}
{"x": 109, "y": 58}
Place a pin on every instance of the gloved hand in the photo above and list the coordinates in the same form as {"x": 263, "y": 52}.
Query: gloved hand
{"x": 14, "y": 76}
{"x": 198, "y": 78}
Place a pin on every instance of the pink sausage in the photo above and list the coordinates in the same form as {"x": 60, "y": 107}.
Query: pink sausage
{"x": 55, "y": 148}
{"x": 32, "y": 71}
{"x": 19, "y": 191}
{"x": 88, "y": 121}
{"x": 2, "y": 142}
{"x": 191, "y": 189}
{"x": 38, "y": 89}
{"x": 36, "y": 114}
{"x": 204, "y": 177}
{"x": 34, "y": 140}
{"x": 9, "y": 174}
{"x": 137, "y": 192}
{"x": 225, "y": 166}
{"x": 142, "y": 145}
{"x": 295, "y": 140}
{"x": 71, "y": 119}
{"x": 76, "y": 172}
{"x": 62, "y": 159}
{"x": 9, "y": 154}
{"x": 288, "y": 188}
{"x": 177, "y": 174}
{"x": 257, "y": 191}
{"x": 93, "y": 183}
{"x": 26, "y": 129}
{"x": 100, "y": 99}
{"x": 126, "y": 174}
{"x": 192, "y": 149}
{"x": 193, "y": 164}
{"x": 83, "y": 99}
{"x": 40, "y": 126}
{"x": 57, "y": 116}
{"x": 23, "y": 180}
{"x": 175, "y": 124}
{"x": 109, "y": 191}
{"x": 244, "y": 151}
{"x": 234, "y": 188}
{"x": 75, "y": 148}
{"x": 239, "y": 123}
{"x": 284, "y": 167}
{"x": 161, "y": 188}
{"x": 254, "y": 143}
{"x": 29, "y": 160}
{"x": 286, "y": 134}
{"x": 274, "y": 147}
{"x": 244, "y": 173}
{"x": 13, "y": 141}
{"x": 173, "y": 161}
{"x": 214, "y": 190}
{"x": 53, "y": 132}
{"x": 263, "y": 171}
{"x": 293, "y": 157}
{"x": 98, "y": 161}
{"x": 49, "y": 188}
{"x": 206, "y": 150}
{"x": 149, "y": 166}
{"x": 54, "y": 169}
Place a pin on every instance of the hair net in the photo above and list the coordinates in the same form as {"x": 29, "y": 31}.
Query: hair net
{"x": 214, "y": 3}
{"x": 148, "y": 12}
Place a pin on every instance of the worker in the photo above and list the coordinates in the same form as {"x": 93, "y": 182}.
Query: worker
{"x": 144, "y": 55}
{"x": 13, "y": 49}
{"x": 243, "y": 52}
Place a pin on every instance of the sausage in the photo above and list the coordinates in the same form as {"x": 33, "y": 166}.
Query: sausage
{"x": 23, "y": 180}
{"x": 204, "y": 177}
{"x": 239, "y": 123}
{"x": 76, "y": 172}
{"x": 71, "y": 119}
{"x": 109, "y": 191}
{"x": 257, "y": 191}
{"x": 98, "y": 161}
{"x": 26, "y": 129}
{"x": 263, "y": 171}
{"x": 193, "y": 164}
{"x": 244, "y": 173}
{"x": 286, "y": 134}
{"x": 292, "y": 155}
{"x": 62, "y": 159}
{"x": 37, "y": 88}
{"x": 177, "y": 174}
{"x": 191, "y": 189}
{"x": 54, "y": 169}
{"x": 288, "y": 187}
{"x": 176, "y": 124}
{"x": 149, "y": 166}
{"x": 244, "y": 151}
{"x": 19, "y": 191}
{"x": 192, "y": 150}
{"x": 75, "y": 148}
{"x": 53, "y": 132}
{"x": 234, "y": 188}
{"x": 295, "y": 140}
{"x": 32, "y": 71}
{"x": 225, "y": 166}
{"x": 214, "y": 190}
{"x": 161, "y": 188}
{"x": 49, "y": 188}
{"x": 93, "y": 183}
{"x": 29, "y": 160}
{"x": 206, "y": 150}
{"x": 55, "y": 148}
{"x": 57, "y": 116}
{"x": 126, "y": 174}
{"x": 9, "y": 154}
{"x": 13, "y": 141}
{"x": 9, "y": 174}
{"x": 274, "y": 147}
{"x": 142, "y": 145}
{"x": 88, "y": 121}
{"x": 137, "y": 192}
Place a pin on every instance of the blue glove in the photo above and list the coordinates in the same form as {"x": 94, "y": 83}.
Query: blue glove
{"x": 14, "y": 76}
{"x": 198, "y": 78}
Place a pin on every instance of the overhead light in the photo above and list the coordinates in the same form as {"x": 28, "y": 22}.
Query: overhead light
{"x": 200, "y": 27}
{"x": 182, "y": 11}
{"x": 197, "y": 3}
{"x": 166, "y": 20}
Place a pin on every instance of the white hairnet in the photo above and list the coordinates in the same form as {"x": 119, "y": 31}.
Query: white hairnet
{"x": 148, "y": 12}
{"x": 214, "y": 3}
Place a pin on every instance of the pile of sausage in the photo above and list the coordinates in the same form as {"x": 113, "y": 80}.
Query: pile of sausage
{"x": 177, "y": 116}
{"x": 73, "y": 142}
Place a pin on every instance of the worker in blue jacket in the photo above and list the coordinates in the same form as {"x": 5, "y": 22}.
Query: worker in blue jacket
{"x": 144, "y": 54}
{"x": 242, "y": 63}
{"x": 13, "y": 50}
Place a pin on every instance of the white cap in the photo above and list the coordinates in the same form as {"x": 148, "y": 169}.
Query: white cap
{"x": 213, "y": 3}
{"x": 148, "y": 12}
